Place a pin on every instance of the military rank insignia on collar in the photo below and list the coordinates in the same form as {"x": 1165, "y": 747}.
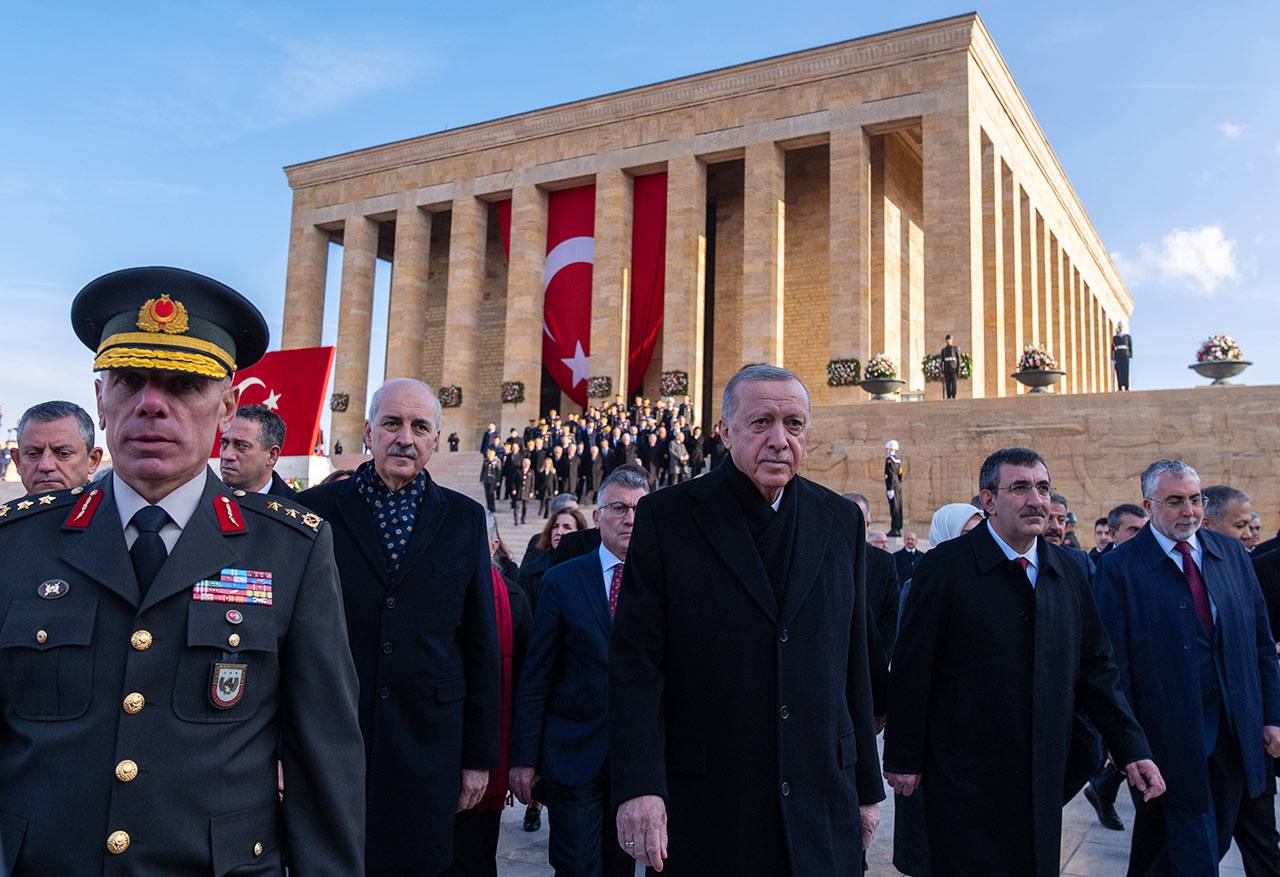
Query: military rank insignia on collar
{"x": 228, "y": 514}
{"x": 83, "y": 510}
{"x": 226, "y": 684}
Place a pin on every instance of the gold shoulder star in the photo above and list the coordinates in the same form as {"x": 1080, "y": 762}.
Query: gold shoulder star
{"x": 274, "y": 506}
{"x": 46, "y": 499}
{"x": 293, "y": 513}
{"x": 4, "y": 510}
{"x": 24, "y": 505}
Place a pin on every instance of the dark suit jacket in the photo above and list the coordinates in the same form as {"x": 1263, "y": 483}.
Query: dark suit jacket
{"x": 559, "y": 722}
{"x": 1147, "y": 607}
{"x": 732, "y": 752}
{"x": 280, "y": 487}
{"x": 985, "y": 678}
{"x": 206, "y": 791}
{"x": 906, "y": 562}
{"x": 426, "y": 652}
{"x": 882, "y": 597}
{"x": 1267, "y": 569}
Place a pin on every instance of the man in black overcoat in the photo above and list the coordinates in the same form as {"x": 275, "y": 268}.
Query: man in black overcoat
{"x": 1121, "y": 354}
{"x": 950, "y": 357}
{"x": 1000, "y": 640}
{"x": 741, "y": 732}
{"x": 413, "y": 558}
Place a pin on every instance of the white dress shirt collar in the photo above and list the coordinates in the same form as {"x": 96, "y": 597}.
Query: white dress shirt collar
{"x": 180, "y": 503}
{"x": 1170, "y": 547}
{"x": 1033, "y": 567}
{"x": 608, "y": 560}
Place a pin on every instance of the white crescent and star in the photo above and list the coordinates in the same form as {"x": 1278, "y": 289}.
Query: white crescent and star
{"x": 571, "y": 251}
{"x": 273, "y": 398}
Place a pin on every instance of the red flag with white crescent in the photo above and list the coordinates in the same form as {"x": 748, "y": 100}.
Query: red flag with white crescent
{"x": 648, "y": 273}
{"x": 566, "y": 282}
{"x": 292, "y": 383}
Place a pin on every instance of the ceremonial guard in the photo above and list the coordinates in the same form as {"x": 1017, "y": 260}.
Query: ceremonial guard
{"x": 950, "y": 357}
{"x": 1121, "y": 353}
{"x": 894, "y": 472}
{"x": 167, "y": 641}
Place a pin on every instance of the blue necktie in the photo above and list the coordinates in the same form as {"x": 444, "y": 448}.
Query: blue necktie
{"x": 148, "y": 552}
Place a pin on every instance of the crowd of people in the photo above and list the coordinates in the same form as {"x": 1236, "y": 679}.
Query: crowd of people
{"x": 688, "y": 669}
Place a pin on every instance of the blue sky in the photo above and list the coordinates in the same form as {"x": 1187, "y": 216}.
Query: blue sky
{"x": 150, "y": 133}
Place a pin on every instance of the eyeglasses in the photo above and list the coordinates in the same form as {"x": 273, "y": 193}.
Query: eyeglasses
{"x": 1177, "y": 502}
{"x": 1020, "y": 489}
{"x": 619, "y": 509}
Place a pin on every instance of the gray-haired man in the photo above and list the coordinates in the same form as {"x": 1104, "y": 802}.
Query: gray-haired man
{"x": 55, "y": 447}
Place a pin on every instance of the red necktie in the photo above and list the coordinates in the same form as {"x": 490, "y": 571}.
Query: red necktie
{"x": 613, "y": 589}
{"x": 1195, "y": 584}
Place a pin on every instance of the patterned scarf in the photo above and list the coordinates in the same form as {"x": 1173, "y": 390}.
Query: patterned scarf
{"x": 394, "y": 512}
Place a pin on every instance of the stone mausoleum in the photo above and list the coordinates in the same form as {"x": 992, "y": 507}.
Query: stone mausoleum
{"x": 865, "y": 197}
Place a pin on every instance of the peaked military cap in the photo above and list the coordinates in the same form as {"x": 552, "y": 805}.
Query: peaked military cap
{"x": 168, "y": 318}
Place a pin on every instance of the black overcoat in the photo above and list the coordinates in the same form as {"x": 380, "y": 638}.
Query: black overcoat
{"x": 425, "y": 646}
{"x": 752, "y": 720}
{"x": 981, "y": 694}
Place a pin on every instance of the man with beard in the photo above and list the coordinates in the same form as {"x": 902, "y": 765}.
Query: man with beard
{"x": 1000, "y": 640}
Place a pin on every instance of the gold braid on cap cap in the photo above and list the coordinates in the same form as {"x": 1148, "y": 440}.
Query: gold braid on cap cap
{"x": 169, "y": 360}
{"x": 155, "y": 338}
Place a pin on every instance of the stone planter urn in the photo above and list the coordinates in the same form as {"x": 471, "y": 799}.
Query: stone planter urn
{"x": 1036, "y": 379}
{"x": 881, "y": 388}
{"x": 1219, "y": 370}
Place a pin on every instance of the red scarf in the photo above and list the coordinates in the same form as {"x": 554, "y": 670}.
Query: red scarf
{"x": 495, "y": 796}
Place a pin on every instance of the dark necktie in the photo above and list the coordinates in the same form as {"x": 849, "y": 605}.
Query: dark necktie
{"x": 1195, "y": 584}
{"x": 1024, "y": 563}
{"x": 148, "y": 552}
{"x": 613, "y": 589}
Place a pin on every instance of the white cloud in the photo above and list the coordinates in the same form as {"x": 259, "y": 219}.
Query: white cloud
{"x": 1231, "y": 131}
{"x": 1201, "y": 258}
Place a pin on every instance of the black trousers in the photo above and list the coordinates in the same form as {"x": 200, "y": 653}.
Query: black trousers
{"x": 584, "y": 836}
{"x": 490, "y": 495}
{"x": 1122, "y": 373}
{"x": 475, "y": 844}
{"x": 948, "y": 384}
{"x": 895, "y": 510}
{"x": 1256, "y": 836}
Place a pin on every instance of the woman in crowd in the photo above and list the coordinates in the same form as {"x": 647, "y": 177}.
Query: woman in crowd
{"x": 910, "y": 844}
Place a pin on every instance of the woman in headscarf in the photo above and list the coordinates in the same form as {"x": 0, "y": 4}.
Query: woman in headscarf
{"x": 910, "y": 844}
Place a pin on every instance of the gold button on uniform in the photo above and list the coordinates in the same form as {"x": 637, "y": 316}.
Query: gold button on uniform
{"x": 141, "y": 640}
{"x": 127, "y": 771}
{"x": 257, "y": 849}
{"x": 133, "y": 703}
{"x": 42, "y": 637}
{"x": 117, "y": 842}
{"x": 233, "y": 640}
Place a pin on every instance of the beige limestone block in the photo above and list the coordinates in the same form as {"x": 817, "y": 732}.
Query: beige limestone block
{"x": 849, "y": 253}
{"x": 611, "y": 278}
{"x": 407, "y": 310}
{"x": 1015, "y": 320}
{"x": 304, "y": 287}
{"x": 523, "y": 350}
{"x": 355, "y": 321}
{"x": 993, "y": 284}
{"x": 1030, "y": 272}
{"x": 763, "y": 255}
{"x": 463, "y": 298}
{"x": 685, "y": 283}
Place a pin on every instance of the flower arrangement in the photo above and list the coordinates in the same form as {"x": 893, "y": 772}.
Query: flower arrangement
{"x": 450, "y": 396}
{"x": 1036, "y": 358}
{"x": 600, "y": 387}
{"x": 1219, "y": 348}
{"x": 296, "y": 483}
{"x": 674, "y": 383}
{"x": 513, "y": 392}
{"x": 844, "y": 372}
{"x": 932, "y": 365}
{"x": 880, "y": 368}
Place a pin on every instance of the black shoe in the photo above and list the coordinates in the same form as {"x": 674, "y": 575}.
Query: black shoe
{"x": 1106, "y": 811}
{"x": 532, "y": 818}
{"x": 893, "y": 534}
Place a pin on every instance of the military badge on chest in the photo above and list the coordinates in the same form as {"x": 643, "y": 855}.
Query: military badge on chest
{"x": 226, "y": 685}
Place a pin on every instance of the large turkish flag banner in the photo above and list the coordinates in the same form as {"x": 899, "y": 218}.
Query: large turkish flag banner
{"x": 292, "y": 383}
{"x": 566, "y": 283}
{"x": 648, "y": 273}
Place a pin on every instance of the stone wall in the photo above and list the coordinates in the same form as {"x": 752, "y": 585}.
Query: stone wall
{"x": 1096, "y": 445}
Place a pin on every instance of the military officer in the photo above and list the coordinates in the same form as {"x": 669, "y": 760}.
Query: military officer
{"x": 167, "y": 640}
{"x": 894, "y": 472}
{"x": 1121, "y": 353}
{"x": 950, "y": 357}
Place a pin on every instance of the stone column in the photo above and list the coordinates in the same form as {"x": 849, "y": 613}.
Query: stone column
{"x": 886, "y": 259}
{"x": 994, "y": 351}
{"x": 355, "y": 321}
{"x": 611, "y": 280}
{"x": 1091, "y": 348}
{"x": 1030, "y": 273}
{"x": 1060, "y": 308}
{"x": 1077, "y": 349}
{"x": 953, "y": 236}
{"x": 763, "y": 260}
{"x": 1015, "y": 319}
{"x": 522, "y": 360}
{"x": 463, "y": 296}
{"x": 1047, "y": 330}
{"x": 685, "y": 283}
{"x": 849, "y": 253}
{"x": 304, "y": 287}
{"x": 407, "y": 310}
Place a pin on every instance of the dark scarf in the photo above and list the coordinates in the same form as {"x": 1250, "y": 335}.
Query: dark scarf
{"x": 774, "y": 533}
{"x": 394, "y": 512}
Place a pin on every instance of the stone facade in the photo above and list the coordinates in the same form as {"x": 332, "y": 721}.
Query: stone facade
{"x": 864, "y": 197}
